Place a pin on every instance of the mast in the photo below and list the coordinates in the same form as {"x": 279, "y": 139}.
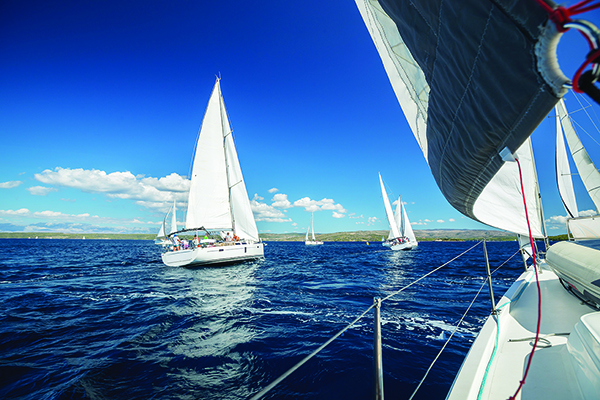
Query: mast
{"x": 229, "y": 132}
{"x": 538, "y": 197}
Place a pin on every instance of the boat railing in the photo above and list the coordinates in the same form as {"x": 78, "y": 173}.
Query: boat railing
{"x": 377, "y": 356}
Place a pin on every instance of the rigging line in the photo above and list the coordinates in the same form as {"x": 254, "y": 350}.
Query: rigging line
{"x": 449, "y": 338}
{"x": 431, "y": 272}
{"x": 591, "y": 120}
{"x": 305, "y": 359}
{"x": 458, "y": 325}
{"x": 535, "y": 269}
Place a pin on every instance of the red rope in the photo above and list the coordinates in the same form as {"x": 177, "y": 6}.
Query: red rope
{"x": 561, "y": 16}
{"x": 537, "y": 333}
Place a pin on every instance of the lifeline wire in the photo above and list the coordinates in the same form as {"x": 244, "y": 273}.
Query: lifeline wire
{"x": 458, "y": 325}
{"x": 305, "y": 359}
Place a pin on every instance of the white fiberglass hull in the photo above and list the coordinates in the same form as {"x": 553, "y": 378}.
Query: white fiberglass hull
{"x": 220, "y": 254}
{"x": 403, "y": 246}
{"x": 394, "y": 245}
{"x": 312, "y": 242}
{"x": 565, "y": 364}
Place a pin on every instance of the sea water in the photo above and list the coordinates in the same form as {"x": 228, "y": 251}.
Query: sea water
{"x": 106, "y": 319}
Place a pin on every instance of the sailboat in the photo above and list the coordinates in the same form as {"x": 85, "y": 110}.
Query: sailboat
{"x": 161, "y": 236}
{"x": 542, "y": 340}
{"x": 218, "y": 207}
{"x": 312, "y": 229}
{"x": 401, "y": 236}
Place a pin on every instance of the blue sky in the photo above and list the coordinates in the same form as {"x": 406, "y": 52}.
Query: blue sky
{"x": 102, "y": 102}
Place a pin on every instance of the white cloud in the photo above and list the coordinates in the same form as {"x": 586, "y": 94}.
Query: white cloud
{"x": 314, "y": 205}
{"x": 451, "y": 220}
{"x": 267, "y": 213}
{"x": 441, "y": 221}
{"x": 280, "y": 200}
{"x": 10, "y": 184}
{"x": 273, "y": 190}
{"x": 40, "y": 190}
{"x": 337, "y": 215}
{"x": 22, "y": 211}
{"x": 154, "y": 193}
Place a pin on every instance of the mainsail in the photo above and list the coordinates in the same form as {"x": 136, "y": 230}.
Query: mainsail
{"x": 585, "y": 166}
{"x": 578, "y": 227}
{"x": 394, "y": 232}
{"x": 563, "y": 170}
{"x": 218, "y": 199}
{"x": 446, "y": 65}
{"x": 173, "y": 217}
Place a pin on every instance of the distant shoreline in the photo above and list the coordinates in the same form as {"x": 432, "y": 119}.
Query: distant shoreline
{"x": 356, "y": 236}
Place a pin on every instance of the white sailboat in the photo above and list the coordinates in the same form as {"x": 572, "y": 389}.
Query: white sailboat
{"x": 314, "y": 241}
{"x": 401, "y": 236}
{"x": 162, "y": 236}
{"x": 218, "y": 205}
{"x": 542, "y": 340}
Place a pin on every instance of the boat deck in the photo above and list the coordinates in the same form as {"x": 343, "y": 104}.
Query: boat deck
{"x": 551, "y": 375}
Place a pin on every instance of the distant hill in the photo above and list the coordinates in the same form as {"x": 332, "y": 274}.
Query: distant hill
{"x": 375, "y": 236}
{"x": 356, "y": 236}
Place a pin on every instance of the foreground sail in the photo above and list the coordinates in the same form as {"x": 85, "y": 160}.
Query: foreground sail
{"x": 218, "y": 206}
{"x": 474, "y": 79}
{"x": 401, "y": 236}
{"x": 314, "y": 241}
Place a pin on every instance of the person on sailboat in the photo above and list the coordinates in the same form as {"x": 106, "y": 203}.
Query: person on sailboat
{"x": 196, "y": 241}
{"x": 176, "y": 242}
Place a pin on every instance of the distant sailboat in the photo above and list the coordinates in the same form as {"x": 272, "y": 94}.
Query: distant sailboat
{"x": 312, "y": 229}
{"x": 401, "y": 236}
{"x": 218, "y": 203}
{"x": 161, "y": 237}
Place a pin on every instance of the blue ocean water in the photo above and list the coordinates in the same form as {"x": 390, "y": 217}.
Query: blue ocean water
{"x": 105, "y": 319}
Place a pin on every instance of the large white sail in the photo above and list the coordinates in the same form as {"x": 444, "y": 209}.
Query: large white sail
{"x": 174, "y": 218}
{"x": 243, "y": 220}
{"x": 408, "y": 230}
{"x": 487, "y": 191}
{"x": 585, "y": 166}
{"x": 208, "y": 201}
{"x": 394, "y": 233}
{"x": 502, "y": 197}
{"x": 563, "y": 171}
{"x": 398, "y": 216}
